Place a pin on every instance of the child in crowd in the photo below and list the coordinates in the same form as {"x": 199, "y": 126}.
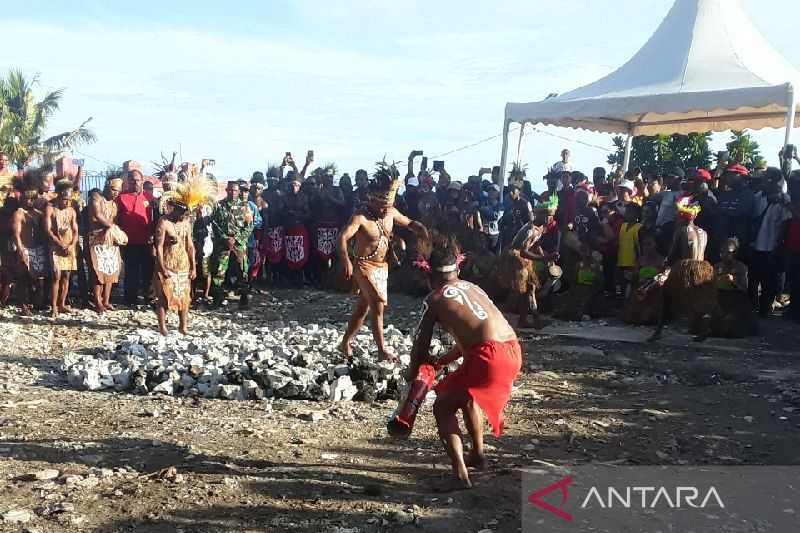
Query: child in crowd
{"x": 628, "y": 249}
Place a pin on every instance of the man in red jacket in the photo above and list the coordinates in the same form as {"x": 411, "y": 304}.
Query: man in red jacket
{"x": 135, "y": 218}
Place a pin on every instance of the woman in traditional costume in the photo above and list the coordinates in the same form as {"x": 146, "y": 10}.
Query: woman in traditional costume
{"x": 105, "y": 238}
{"x": 735, "y": 317}
{"x": 175, "y": 253}
{"x": 61, "y": 227}
{"x": 690, "y": 281}
{"x": 525, "y": 267}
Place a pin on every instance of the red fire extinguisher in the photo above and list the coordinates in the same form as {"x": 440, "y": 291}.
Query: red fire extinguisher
{"x": 401, "y": 422}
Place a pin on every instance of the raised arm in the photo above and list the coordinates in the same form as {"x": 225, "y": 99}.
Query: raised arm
{"x": 309, "y": 160}
{"x": 402, "y": 221}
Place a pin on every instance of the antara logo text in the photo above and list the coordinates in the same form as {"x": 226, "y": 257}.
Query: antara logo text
{"x": 628, "y": 497}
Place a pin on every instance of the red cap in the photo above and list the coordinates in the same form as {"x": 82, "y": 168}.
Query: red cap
{"x": 738, "y": 169}
{"x": 703, "y": 174}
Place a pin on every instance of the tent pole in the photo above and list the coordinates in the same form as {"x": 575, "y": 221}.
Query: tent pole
{"x": 792, "y": 101}
{"x": 519, "y": 142}
{"x": 501, "y": 178}
{"x": 627, "y": 159}
{"x": 790, "y": 115}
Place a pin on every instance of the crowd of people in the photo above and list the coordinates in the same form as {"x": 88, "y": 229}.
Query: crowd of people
{"x": 720, "y": 246}
{"x": 565, "y": 250}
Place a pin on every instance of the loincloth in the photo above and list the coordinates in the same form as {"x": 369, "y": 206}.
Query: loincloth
{"x": 691, "y": 287}
{"x": 371, "y": 278}
{"x": 487, "y": 373}
{"x": 517, "y": 273}
{"x": 174, "y": 291}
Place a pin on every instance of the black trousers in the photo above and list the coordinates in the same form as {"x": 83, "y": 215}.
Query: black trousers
{"x": 765, "y": 271}
{"x": 138, "y": 261}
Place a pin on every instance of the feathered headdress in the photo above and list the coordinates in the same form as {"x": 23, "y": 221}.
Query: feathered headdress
{"x": 166, "y": 169}
{"x": 687, "y": 207}
{"x": 386, "y": 182}
{"x": 196, "y": 190}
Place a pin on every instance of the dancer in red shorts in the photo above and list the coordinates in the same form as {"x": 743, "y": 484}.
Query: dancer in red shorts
{"x": 492, "y": 359}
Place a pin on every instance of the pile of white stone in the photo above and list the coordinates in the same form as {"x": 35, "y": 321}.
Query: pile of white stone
{"x": 276, "y": 361}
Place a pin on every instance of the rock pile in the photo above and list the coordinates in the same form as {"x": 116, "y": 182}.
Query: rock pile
{"x": 272, "y": 361}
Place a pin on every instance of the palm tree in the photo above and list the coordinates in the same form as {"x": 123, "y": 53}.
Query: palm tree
{"x": 23, "y": 120}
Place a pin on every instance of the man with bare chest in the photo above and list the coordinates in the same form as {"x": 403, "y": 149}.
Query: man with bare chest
{"x": 30, "y": 243}
{"x": 372, "y": 227}
{"x": 492, "y": 358}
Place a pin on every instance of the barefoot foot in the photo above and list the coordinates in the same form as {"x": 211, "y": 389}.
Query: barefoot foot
{"x": 476, "y": 461}
{"x": 347, "y": 350}
{"x": 453, "y": 484}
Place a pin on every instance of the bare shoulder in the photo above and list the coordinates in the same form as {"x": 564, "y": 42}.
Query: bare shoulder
{"x": 397, "y": 216}
{"x": 357, "y": 220}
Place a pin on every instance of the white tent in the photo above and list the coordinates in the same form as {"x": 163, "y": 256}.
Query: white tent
{"x": 706, "y": 68}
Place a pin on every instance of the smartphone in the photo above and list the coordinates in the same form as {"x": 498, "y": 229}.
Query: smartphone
{"x": 438, "y": 166}
{"x": 310, "y": 154}
{"x": 424, "y": 164}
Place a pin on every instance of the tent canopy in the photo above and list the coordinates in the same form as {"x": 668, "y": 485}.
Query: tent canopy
{"x": 706, "y": 68}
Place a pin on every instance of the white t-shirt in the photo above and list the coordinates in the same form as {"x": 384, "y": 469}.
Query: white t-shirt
{"x": 560, "y": 166}
{"x": 771, "y": 225}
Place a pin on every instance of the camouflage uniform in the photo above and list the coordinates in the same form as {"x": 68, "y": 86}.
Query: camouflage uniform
{"x": 228, "y": 221}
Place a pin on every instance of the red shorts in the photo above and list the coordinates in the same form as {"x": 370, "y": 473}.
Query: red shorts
{"x": 487, "y": 373}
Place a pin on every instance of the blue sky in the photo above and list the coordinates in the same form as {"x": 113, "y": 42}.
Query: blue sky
{"x": 245, "y": 81}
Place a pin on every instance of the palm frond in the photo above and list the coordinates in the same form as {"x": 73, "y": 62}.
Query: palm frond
{"x": 68, "y": 139}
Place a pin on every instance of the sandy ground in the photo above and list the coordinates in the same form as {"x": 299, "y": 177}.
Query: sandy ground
{"x": 156, "y": 464}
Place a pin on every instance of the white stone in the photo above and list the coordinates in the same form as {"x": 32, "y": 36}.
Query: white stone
{"x": 231, "y": 392}
{"x": 17, "y": 516}
{"x": 165, "y": 387}
{"x": 342, "y": 389}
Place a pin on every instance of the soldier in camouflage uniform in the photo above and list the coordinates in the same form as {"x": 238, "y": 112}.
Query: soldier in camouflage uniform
{"x": 231, "y": 225}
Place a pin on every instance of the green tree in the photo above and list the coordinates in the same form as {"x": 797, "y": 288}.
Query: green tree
{"x": 23, "y": 120}
{"x": 657, "y": 153}
{"x": 743, "y": 149}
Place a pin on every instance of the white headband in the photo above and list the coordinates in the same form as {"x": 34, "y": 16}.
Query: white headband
{"x": 446, "y": 268}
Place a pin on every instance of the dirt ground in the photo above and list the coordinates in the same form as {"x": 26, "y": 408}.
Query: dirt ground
{"x": 161, "y": 464}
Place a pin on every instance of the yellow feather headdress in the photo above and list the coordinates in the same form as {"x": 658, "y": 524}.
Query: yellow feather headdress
{"x": 687, "y": 207}
{"x": 196, "y": 190}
